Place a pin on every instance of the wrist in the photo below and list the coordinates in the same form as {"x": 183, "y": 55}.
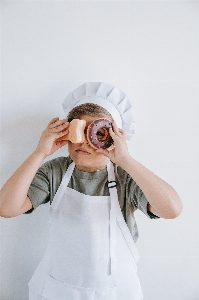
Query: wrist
{"x": 125, "y": 161}
{"x": 40, "y": 153}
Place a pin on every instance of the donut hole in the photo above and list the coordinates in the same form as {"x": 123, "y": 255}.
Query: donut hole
{"x": 102, "y": 134}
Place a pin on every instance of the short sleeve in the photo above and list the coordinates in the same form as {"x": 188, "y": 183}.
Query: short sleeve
{"x": 39, "y": 189}
{"x": 47, "y": 181}
{"x": 137, "y": 198}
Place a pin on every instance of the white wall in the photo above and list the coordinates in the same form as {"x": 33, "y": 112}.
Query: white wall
{"x": 151, "y": 51}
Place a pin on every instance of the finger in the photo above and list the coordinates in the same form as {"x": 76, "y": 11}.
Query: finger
{"x": 115, "y": 128}
{"x": 122, "y": 132}
{"x": 53, "y": 121}
{"x": 62, "y": 133}
{"x": 112, "y": 133}
{"x": 58, "y": 123}
{"x": 60, "y": 127}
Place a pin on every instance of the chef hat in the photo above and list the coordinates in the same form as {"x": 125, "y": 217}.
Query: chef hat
{"x": 109, "y": 97}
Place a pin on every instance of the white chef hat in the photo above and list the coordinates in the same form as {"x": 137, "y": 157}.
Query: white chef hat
{"x": 109, "y": 97}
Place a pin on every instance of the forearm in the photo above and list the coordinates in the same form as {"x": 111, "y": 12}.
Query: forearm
{"x": 14, "y": 192}
{"x": 163, "y": 199}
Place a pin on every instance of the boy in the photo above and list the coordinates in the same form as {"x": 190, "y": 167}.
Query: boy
{"x": 93, "y": 195}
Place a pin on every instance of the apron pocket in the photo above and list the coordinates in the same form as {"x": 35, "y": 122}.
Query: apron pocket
{"x": 57, "y": 290}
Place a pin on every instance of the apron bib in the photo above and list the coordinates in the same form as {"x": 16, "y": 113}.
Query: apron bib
{"x": 91, "y": 254}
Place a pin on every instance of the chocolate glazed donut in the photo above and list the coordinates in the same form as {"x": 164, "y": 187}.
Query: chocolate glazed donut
{"x": 98, "y": 134}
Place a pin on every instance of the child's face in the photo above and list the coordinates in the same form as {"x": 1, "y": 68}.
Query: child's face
{"x": 84, "y": 156}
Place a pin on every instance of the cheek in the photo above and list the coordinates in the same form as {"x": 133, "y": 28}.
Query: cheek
{"x": 101, "y": 158}
{"x": 71, "y": 147}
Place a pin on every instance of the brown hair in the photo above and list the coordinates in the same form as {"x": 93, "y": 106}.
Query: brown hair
{"x": 89, "y": 109}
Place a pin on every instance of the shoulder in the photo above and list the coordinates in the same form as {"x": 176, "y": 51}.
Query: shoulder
{"x": 122, "y": 176}
{"x": 57, "y": 163}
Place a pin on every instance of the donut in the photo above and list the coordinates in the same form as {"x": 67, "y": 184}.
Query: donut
{"x": 75, "y": 131}
{"x": 98, "y": 134}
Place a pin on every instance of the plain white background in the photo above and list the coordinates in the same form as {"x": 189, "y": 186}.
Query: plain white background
{"x": 150, "y": 50}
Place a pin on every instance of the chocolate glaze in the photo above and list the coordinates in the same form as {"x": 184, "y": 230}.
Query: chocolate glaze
{"x": 93, "y": 139}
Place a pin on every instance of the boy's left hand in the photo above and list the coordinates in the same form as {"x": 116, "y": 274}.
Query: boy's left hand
{"x": 120, "y": 150}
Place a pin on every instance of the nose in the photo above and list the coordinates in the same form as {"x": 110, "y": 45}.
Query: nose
{"x": 85, "y": 135}
{"x": 86, "y": 141}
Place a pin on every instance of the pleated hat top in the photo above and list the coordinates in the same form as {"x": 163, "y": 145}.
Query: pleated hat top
{"x": 109, "y": 97}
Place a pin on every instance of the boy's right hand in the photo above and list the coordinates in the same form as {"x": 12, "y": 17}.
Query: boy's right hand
{"x": 48, "y": 143}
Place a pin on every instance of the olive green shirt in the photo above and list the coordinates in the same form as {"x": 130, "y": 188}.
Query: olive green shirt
{"x": 49, "y": 176}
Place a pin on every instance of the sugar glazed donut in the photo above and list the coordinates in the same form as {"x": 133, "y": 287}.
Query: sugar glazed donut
{"x": 75, "y": 131}
{"x": 98, "y": 134}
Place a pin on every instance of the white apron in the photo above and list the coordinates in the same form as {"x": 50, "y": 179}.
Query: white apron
{"x": 91, "y": 254}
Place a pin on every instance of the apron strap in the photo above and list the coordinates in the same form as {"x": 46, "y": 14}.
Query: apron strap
{"x": 113, "y": 211}
{"x": 117, "y": 216}
{"x": 61, "y": 189}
